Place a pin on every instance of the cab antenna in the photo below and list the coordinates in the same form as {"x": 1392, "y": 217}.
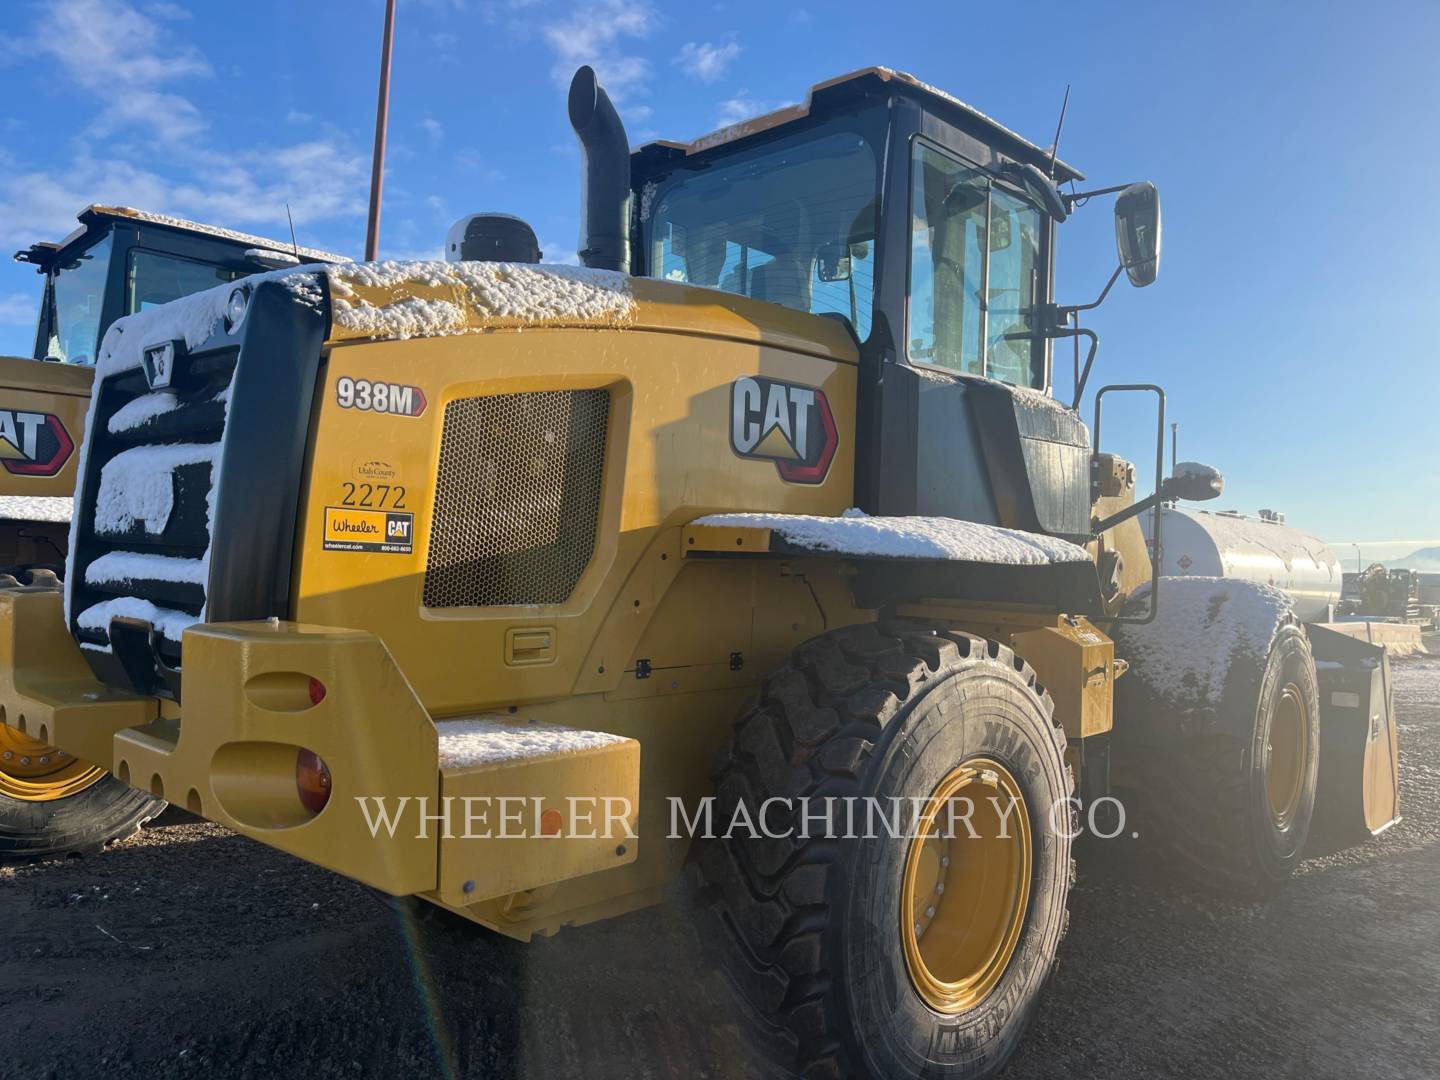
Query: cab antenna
{"x": 1055, "y": 146}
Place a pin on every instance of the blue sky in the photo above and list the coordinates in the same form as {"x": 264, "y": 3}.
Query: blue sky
{"x": 1291, "y": 145}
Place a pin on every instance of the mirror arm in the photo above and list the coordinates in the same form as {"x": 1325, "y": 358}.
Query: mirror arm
{"x": 1070, "y": 309}
{"x": 1133, "y": 510}
{"x": 1073, "y": 199}
{"x": 1058, "y": 332}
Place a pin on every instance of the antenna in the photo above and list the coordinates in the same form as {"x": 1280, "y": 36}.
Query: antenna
{"x": 1055, "y": 146}
{"x": 293, "y": 242}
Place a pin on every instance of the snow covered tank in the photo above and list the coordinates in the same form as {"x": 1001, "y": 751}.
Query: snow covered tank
{"x": 1263, "y": 550}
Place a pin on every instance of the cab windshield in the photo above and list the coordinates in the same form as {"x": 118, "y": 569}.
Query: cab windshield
{"x": 792, "y": 222}
{"x": 76, "y": 295}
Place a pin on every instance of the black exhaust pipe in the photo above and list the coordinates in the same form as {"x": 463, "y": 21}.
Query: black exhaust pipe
{"x": 605, "y": 177}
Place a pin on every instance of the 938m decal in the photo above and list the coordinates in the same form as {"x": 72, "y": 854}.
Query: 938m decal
{"x": 788, "y": 423}
{"x": 396, "y": 399}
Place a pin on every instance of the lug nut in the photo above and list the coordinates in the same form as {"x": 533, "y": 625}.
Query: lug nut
{"x": 8, "y": 755}
{"x": 929, "y": 912}
{"x": 24, "y": 761}
{"x": 45, "y": 760}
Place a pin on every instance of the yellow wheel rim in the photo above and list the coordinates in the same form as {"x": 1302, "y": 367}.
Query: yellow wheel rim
{"x": 964, "y": 897}
{"x": 1286, "y": 751}
{"x": 37, "y": 772}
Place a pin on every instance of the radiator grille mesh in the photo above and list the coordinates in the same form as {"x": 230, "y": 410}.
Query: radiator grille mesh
{"x": 517, "y": 500}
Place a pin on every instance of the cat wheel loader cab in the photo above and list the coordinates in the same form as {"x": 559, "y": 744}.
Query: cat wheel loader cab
{"x": 525, "y": 589}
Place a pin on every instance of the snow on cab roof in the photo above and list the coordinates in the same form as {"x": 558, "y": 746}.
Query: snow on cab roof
{"x": 150, "y": 218}
{"x": 788, "y": 113}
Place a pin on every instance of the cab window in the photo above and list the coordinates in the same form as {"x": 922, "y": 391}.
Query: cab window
{"x": 792, "y": 223}
{"x": 153, "y": 279}
{"x": 974, "y": 273}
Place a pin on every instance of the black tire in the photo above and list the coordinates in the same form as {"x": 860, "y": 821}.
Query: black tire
{"x": 1204, "y": 803}
{"x": 79, "y": 824}
{"x": 807, "y": 930}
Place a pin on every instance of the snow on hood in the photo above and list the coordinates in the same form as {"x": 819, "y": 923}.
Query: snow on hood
{"x": 54, "y": 508}
{"x": 1185, "y": 655}
{"x": 525, "y": 293}
{"x": 856, "y": 533}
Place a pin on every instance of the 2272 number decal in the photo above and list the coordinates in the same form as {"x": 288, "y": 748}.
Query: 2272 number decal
{"x": 376, "y": 496}
{"x": 396, "y": 399}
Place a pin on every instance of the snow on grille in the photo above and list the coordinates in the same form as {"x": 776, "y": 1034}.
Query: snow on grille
{"x": 483, "y": 741}
{"x": 517, "y": 499}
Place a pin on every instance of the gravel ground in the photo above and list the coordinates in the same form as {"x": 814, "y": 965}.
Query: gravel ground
{"x": 188, "y": 951}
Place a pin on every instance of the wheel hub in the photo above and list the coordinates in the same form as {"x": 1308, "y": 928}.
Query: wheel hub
{"x": 964, "y": 897}
{"x": 1287, "y": 749}
{"x": 37, "y": 772}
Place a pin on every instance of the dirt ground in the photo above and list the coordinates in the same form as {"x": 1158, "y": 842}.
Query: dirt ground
{"x": 187, "y": 951}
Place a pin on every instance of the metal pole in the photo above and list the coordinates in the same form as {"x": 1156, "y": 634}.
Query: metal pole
{"x": 1174, "y": 447}
{"x": 1358, "y": 570}
{"x": 382, "y": 115}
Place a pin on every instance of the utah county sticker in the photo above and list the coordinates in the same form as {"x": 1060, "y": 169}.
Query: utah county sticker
{"x": 369, "y": 530}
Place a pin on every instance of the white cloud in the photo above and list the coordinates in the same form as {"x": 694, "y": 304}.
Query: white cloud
{"x": 741, "y": 107}
{"x": 163, "y": 9}
{"x": 17, "y": 309}
{"x": 130, "y": 64}
{"x": 559, "y": 253}
{"x": 433, "y": 129}
{"x": 592, "y": 35}
{"x": 706, "y": 61}
{"x": 125, "y": 59}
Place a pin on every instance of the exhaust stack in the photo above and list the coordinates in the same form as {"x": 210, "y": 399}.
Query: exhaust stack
{"x": 605, "y": 176}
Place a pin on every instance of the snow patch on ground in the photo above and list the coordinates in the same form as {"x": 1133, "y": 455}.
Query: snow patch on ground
{"x": 138, "y": 485}
{"x": 1185, "y": 655}
{"x": 483, "y": 741}
{"x": 526, "y": 293}
{"x": 57, "y": 508}
{"x": 856, "y": 533}
{"x": 142, "y": 409}
{"x": 167, "y": 621}
{"x": 115, "y": 567}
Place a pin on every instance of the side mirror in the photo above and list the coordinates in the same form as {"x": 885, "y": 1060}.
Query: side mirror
{"x": 1137, "y": 232}
{"x": 1193, "y": 482}
{"x": 832, "y": 262}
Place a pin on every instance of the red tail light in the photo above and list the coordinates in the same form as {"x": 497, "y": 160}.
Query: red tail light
{"x": 312, "y": 780}
{"x": 317, "y": 691}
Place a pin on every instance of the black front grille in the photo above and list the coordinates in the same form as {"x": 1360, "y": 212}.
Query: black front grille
{"x": 144, "y": 536}
{"x": 517, "y": 499}
{"x": 190, "y": 494}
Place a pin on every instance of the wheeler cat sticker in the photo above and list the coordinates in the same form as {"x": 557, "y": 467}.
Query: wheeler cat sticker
{"x": 788, "y": 423}
{"x": 33, "y": 444}
{"x": 368, "y": 530}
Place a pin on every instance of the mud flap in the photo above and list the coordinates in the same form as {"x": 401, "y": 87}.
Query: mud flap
{"x": 1358, "y": 791}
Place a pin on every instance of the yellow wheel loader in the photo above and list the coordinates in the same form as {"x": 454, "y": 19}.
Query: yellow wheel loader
{"x": 759, "y": 550}
{"x": 117, "y": 262}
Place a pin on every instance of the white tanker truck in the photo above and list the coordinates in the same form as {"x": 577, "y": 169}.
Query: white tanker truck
{"x": 1263, "y": 550}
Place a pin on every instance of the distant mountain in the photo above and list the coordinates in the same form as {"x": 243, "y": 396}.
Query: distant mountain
{"x": 1422, "y": 559}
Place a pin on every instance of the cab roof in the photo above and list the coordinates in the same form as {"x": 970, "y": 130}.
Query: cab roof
{"x": 95, "y": 218}
{"x": 858, "y": 82}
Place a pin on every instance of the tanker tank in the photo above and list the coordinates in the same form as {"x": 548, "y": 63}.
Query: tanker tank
{"x": 1262, "y": 550}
